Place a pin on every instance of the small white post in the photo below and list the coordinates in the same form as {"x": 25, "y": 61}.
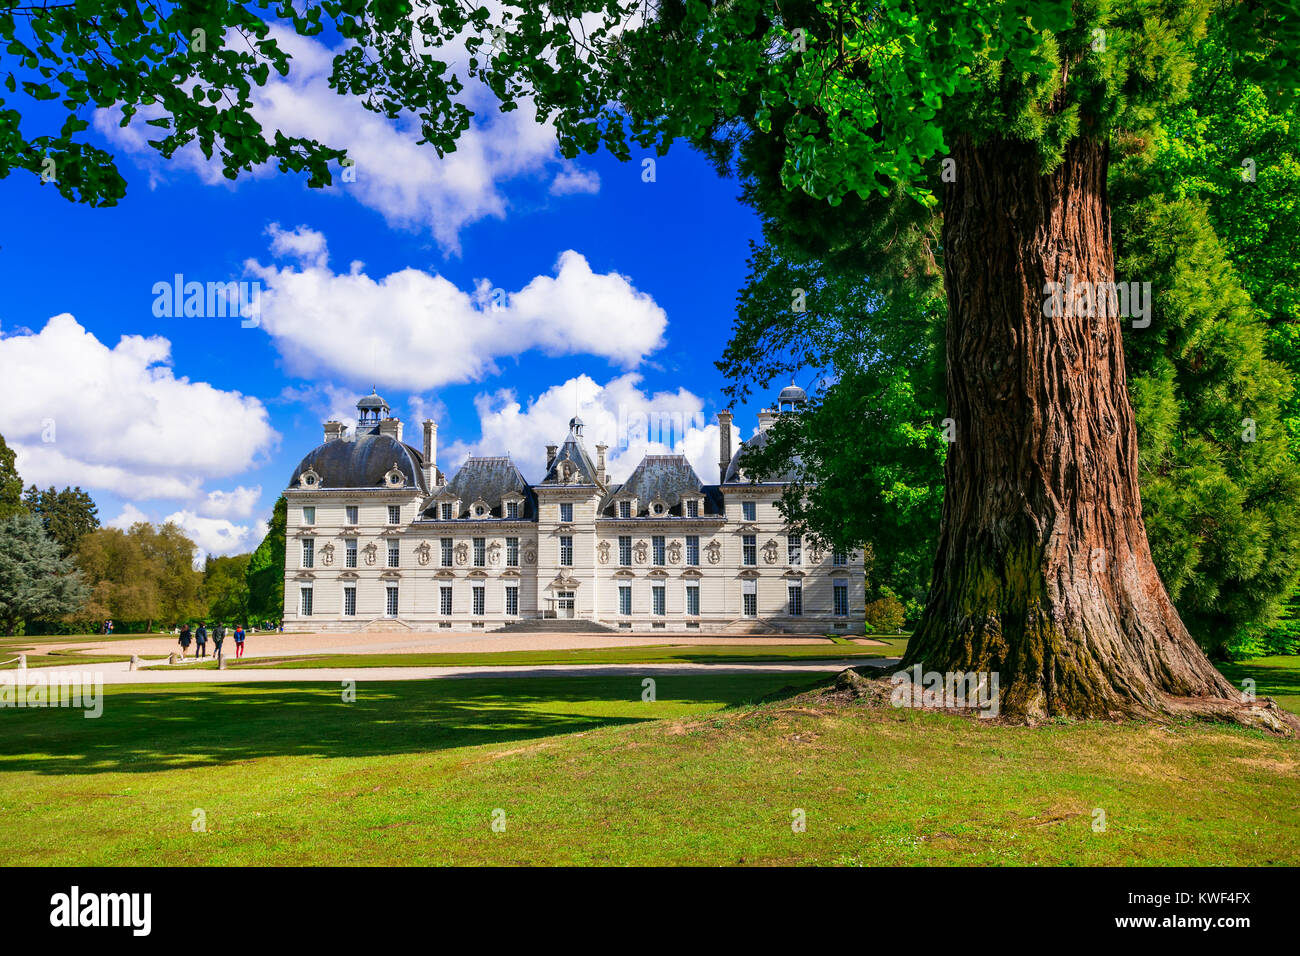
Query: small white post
{"x": 22, "y": 662}
{"x": 135, "y": 662}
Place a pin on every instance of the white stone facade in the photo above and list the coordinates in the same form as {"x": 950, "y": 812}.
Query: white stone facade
{"x": 379, "y": 545}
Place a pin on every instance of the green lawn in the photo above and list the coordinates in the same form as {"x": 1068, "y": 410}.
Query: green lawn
{"x": 654, "y": 653}
{"x": 586, "y": 772}
{"x": 1276, "y": 677}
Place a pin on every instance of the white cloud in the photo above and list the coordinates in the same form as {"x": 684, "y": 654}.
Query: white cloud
{"x": 77, "y": 412}
{"x": 408, "y": 183}
{"x": 304, "y": 244}
{"x": 217, "y": 536}
{"x": 239, "y": 503}
{"x": 130, "y": 515}
{"x": 417, "y": 331}
{"x": 619, "y": 413}
{"x": 571, "y": 180}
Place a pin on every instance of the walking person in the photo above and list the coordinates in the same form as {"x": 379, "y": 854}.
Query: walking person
{"x": 239, "y": 640}
{"x": 201, "y": 641}
{"x": 218, "y": 638}
{"x": 184, "y": 641}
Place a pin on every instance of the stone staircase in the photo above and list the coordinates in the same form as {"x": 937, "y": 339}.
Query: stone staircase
{"x": 554, "y": 625}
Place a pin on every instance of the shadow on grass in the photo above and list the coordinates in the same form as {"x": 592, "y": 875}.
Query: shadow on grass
{"x": 1273, "y": 676}
{"x": 195, "y": 726}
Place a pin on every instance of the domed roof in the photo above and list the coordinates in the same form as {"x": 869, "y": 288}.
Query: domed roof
{"x": 372, "y": 401}
{"x": 792, "y": 393}
{"x": 733, "y": 468}
{"x": 362, "y": 463}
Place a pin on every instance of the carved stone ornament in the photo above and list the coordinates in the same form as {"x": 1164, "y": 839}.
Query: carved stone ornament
{"x": 674, "y": 552}
{"x": 602, "y": 552}
{"x": 462, "y": 554}
{"x": 494, "y": 553}
{"x": 769, "y": 552}
{"x": 423, "y": 552}
{"x": 714, "y": 552}
{"x": 529, "y": 555}
{"x": 371, "y": 551}
{"x": 327, "y": 555}
{"x": 642, "y": 552}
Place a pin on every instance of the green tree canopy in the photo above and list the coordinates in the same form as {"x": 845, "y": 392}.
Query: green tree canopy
{"x": 36, "y": 581}
{"x": 265, "y": 571}
{"x": 11, "y": 486}
{"x": 67, "y": 515}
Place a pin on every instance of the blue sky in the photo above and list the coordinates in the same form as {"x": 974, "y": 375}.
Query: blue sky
{"x": 620, "y": 293}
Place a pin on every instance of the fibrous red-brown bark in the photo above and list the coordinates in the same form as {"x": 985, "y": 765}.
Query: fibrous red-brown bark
{"x": 1044, "y": 573}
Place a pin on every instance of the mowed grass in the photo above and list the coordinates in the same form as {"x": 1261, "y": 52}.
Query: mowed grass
{"x": 655, "y": 653}
{"x": 584, "y": 771}
{"x": 1276, "y": 677}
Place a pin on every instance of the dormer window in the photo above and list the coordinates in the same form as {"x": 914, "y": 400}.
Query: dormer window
{"x": 659, "y": 508}
{"x": 512, "y": 509}
{"x": 447, "y": 512}
{"x": 309, "y": 479}
{"x": 394, "y": 477}
{"x": 692, "y": 508}
{"x": 625, "y": 509}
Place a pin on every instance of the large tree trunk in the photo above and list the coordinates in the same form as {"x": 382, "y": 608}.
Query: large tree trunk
{"x": 1044, "y": 573}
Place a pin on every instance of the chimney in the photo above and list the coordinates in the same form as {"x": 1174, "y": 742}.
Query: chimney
{"x": 550, "y": 455}
{"x": 600, "y": 462}
{"x": 430, "y": 453}
{"x": 391, "y": 427}
{"x": 724, "y": 445}
{"x": 333, "y": 430}
{"x": 765, "y": 419}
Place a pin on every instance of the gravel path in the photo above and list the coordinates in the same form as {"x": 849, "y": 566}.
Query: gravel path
{"x": 118, "y": 673}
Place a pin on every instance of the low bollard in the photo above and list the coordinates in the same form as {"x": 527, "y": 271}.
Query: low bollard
{"x": 135, "y": 663}
{"x": 22, "y": 662}
{"x": 171, "y": 659}
{"x": 221, "y": 662}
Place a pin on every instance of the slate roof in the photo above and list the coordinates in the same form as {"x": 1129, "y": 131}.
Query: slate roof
{"x": 661, "y": 476}
{"x": 573, "y": 451}
{"x": 490, "y": 479}
{"x": 362, "y": 462}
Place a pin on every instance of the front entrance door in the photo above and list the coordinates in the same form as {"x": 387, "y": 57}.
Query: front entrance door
{"x": 564, "y": 603}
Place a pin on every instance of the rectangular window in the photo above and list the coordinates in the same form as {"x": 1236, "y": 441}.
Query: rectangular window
{"x": 512, "y": 552}
{"x": 309, "y": 514}
{"x": 794, "y": 549}
{"x": 444, "y": 600}
{"x": 692, "y": 599}
{"x": 657, "y": 545}
{"x": 349, "y": 602}
{"x": 841, "y": 598}
{"x": 446, "y": 552}
{"x": 350, "y": 515}
{"x": 625, "y": 599}
{"x": 512, "y": 599}
{"x": 477, "y": 591}
{"x": 512, "y": 509}
{"x": 749, "y": 510}
{"x": 566, "y": 550}
{"x": 390, "y": 604}
{"x": 658, "y": 604}
{"x": 692, "y": 508}
{"x": 625, "y": 550}
{"x": 394, "y": 514}
{"x": 349, "y": 552}
{"x": 566, "y": 512}
{"x": 394, "y": 554}
{"x": 446, "y": 511}
{"x": 749, "y": 595}
{"x": 795, "y": 592}
{"x": 839, "y": 559}
{"x": 304, "y": 601}
{"x": 480, "y": 552}
{"x": 749, "y": 549}
{"x": 693, "y": 549}
{"x": 309, "y": 552}
{"x": 625, "y": 509}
